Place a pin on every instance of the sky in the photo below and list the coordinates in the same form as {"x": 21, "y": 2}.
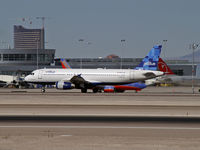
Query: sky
{"x": 128, "y": 28}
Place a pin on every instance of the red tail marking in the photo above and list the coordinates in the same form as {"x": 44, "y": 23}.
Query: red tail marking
{"x": 63, "y": 66}
{"x": 162, "y": 66}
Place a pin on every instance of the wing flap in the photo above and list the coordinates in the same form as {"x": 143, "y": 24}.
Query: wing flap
{"x": 80, "y": 81}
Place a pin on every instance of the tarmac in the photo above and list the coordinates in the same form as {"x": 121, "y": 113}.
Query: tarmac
{"x": 151, "y": 102}
{"x": 156, "y": 118}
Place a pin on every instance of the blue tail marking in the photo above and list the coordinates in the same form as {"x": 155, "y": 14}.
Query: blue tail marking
{"x": 150, "y": 62}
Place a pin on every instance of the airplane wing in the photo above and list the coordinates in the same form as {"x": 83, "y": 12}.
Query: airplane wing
{"x": 80, "y": 82}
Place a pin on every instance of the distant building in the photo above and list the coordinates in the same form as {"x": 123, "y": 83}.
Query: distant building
{"x": 28, "y": 38}
{"x": 28, "y": 46}
{"x": 111, "y": 56}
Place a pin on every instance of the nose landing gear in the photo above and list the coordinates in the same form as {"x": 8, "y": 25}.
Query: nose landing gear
{"x": 43, "y": 89}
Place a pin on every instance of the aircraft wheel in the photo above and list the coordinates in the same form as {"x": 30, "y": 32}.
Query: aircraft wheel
{"x": 84, "y": 90}
{"x": 43, "y": 90}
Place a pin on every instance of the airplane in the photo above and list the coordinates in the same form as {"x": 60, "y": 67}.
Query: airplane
{"x": 171, "y": 78}
{"x": 138, "y": 86}
{"x": 92, "y": 78}
{"x": 12, "y": 81}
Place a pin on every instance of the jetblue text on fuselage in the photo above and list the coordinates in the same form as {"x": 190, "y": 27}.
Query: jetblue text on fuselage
{"x": 149, "y": 63}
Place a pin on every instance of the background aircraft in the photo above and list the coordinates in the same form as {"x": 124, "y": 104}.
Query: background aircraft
{"x": 171, "y": 78}
{"x": 12, "y": 81}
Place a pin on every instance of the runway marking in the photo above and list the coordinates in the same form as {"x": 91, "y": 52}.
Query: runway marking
{"x": 106, "y": 127}
{"x": 66, "y": 135}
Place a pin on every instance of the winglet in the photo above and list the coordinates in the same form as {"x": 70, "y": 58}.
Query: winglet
{"x": 150, "y": 62}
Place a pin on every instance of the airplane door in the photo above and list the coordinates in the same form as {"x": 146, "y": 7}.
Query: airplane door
{"x": 40, "y": 74}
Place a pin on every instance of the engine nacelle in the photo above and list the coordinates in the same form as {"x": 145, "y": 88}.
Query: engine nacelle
{"x": 64, "y": 85}
{"x": 109, "y": 89}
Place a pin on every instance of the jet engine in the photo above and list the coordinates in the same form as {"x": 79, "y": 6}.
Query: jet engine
{"x": 64, "y": 85}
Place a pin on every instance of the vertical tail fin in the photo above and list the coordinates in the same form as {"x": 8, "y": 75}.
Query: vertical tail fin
{"x": 65, "y": 64}
{"x": 150, "y": 62}
{"x": 162, "y": 66}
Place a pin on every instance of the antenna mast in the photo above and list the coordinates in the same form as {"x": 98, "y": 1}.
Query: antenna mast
{"x": 43, "y": 20}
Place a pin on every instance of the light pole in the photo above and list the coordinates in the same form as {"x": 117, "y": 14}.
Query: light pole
{"x": 122, "y": 41}
{"x": 81, "y": 63}
{"x": 194, "y": 46}
{"x": 85, "y": 45}
{"x": 37, "y": 40}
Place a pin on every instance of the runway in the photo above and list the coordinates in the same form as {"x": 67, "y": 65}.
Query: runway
{"x": 155, "y": 118}
{"x": 151, "y": 102}
{"x": 99, "y": 110}
{"x": 99, "y": 135}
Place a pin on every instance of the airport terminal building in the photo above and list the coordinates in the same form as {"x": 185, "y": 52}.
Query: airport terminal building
{"x": 13, "y": 61}
{"x": 28, "y": 48}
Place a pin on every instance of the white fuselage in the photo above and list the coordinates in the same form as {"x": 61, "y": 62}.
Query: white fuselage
{"x": 95, "y": 76}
